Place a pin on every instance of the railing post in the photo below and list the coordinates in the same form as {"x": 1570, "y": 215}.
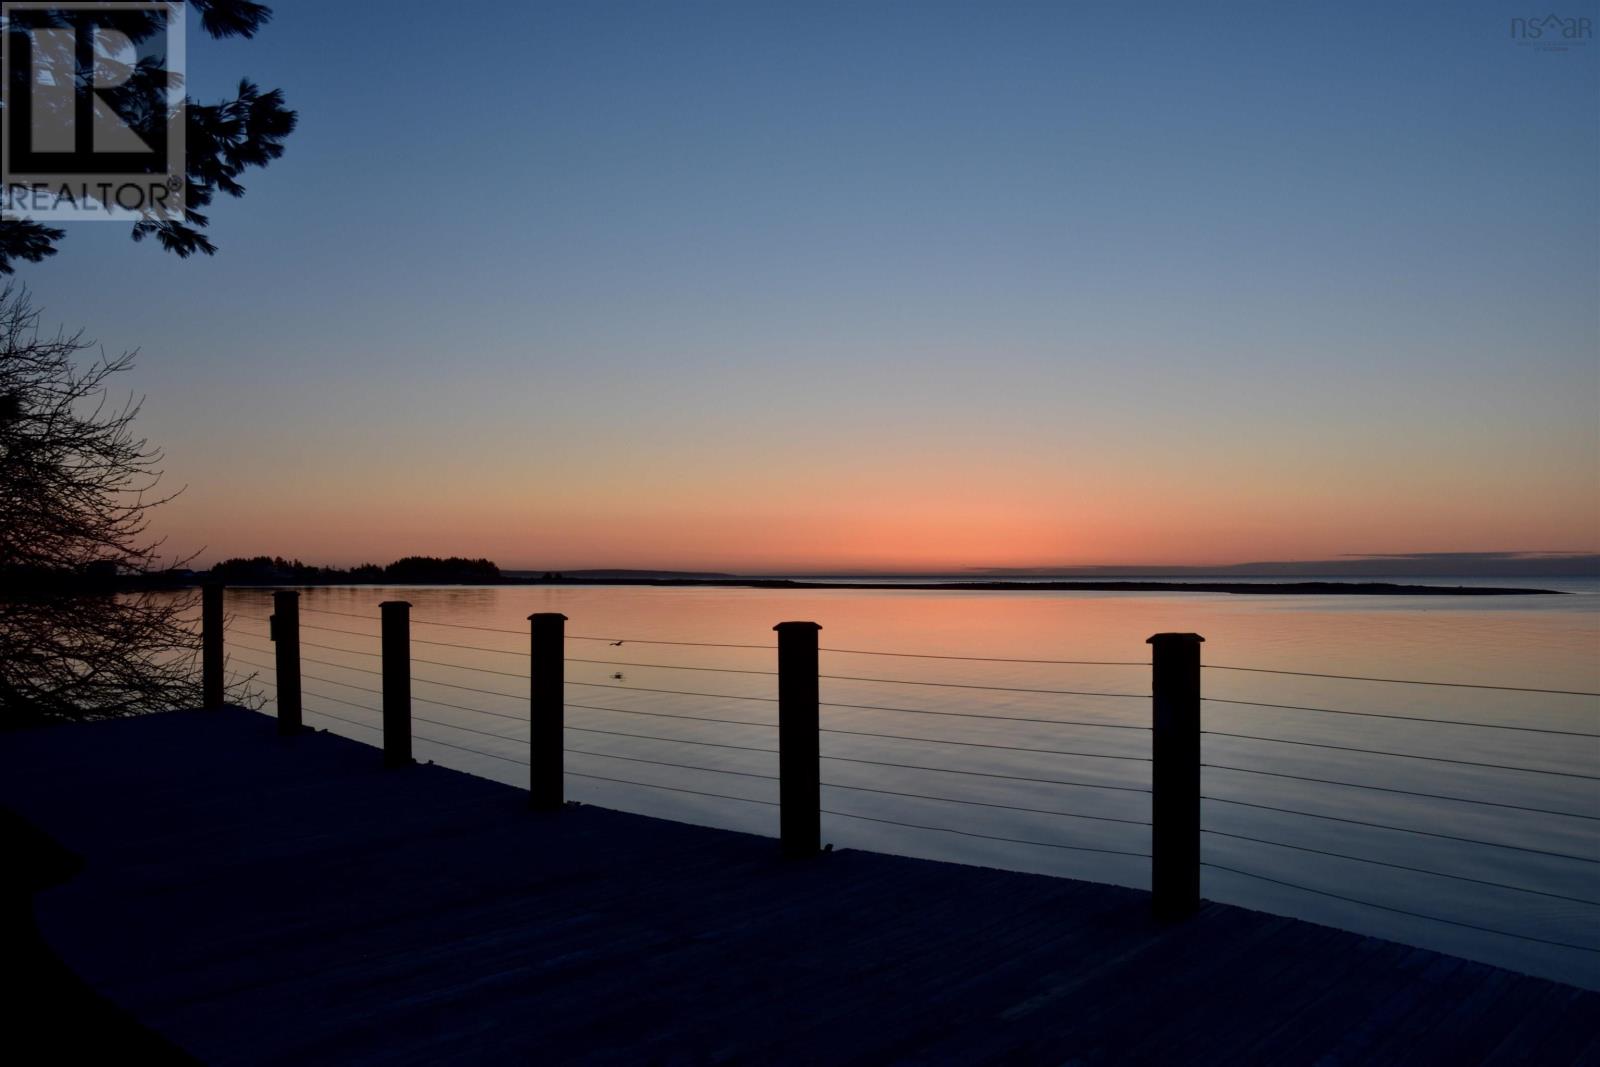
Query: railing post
{"x": 1175, "y": 776}
{"x": 546, "y": 714}
{"x": 799, "y": 785}
{"x": 286, "y": 643}
{"x": 211, "y": 687}
{"x": 396, "y": 683}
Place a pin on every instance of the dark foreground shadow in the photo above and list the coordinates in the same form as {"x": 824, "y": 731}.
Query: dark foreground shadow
{"x": 46, "y": 1013}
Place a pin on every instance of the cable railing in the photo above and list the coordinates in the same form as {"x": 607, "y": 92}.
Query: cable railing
{"x": 941, "y": 773}
{"x": 1051, "y": 764}
{"x": 571, "y": 751}
{"x": 1405, "y": 681}
{"x": 1407, "y": 718}
{"x": 1400, "y": 755}
{"x": 1354, "y": 828}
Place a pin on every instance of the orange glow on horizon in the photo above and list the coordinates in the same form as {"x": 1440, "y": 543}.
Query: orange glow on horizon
{"x": 946, "y": 496}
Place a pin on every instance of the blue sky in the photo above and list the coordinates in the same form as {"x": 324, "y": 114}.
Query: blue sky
{"x": 750, "y": 284}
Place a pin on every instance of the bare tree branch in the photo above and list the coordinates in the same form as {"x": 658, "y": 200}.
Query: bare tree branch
{"x": 77, "y": 483}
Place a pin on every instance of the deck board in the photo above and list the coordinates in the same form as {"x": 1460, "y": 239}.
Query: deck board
{"x": 263, "y": 900}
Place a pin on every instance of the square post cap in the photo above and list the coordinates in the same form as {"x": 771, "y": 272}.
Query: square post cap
{"x": 395, "y": 604}
{"x": 797, "y": 625}
{"x": 547, "y": 617}
{"x": 1161, "y": 639}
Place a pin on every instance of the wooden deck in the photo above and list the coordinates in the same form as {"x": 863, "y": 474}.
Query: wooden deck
{"x": 259, "y": 900}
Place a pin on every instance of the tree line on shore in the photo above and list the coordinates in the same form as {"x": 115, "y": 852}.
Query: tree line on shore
{"x": 411, "y": 570}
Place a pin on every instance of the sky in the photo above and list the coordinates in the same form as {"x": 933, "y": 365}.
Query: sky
{"x": 750, "y": 286}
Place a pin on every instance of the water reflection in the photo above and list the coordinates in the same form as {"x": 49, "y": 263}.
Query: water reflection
{"x": 1065, "y": 768}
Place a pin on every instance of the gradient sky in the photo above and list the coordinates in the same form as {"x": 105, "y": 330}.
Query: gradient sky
{"x": 756, "y": 286}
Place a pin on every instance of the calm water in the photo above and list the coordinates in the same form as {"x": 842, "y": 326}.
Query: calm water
{"x": 1542, "y": 642}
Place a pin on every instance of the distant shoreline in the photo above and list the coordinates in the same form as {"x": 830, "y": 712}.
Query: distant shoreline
{"x": 1308, "y": 588}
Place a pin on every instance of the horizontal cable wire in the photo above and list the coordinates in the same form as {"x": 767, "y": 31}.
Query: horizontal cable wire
{"x": 341, "y": 718}
{"x": 346, "y": 614}
{"x": 983, "y": 804}
{"x": 336, "y": 648}
{"x": 1402, "y": 829}
{"x": 523, "y": 762}
{"x": 319, "y": 678}
{"x": 379, "y": 729}
{"x": 474, "y": 751}
{"x": 978, "y": 744}
{"x": 468, "y": 688}
{"x": 600, "y": 685}
{"x": 310, "y": 626}
{"x": 236, "y": 615}
{"x": 1405, "y": 755}
{"x": 432, "y": 663}
{"x": 575, "y": 637}
{"x": 674, "y": 692}
{"x": 420, "y": 622}
{"x": 524, "y": 633}
{"x": 674, "y": 740}
{"x": 731, "y": 696}
{"x": 986, "y": 774}
{"x": 668, "y": 763}
{"x": 1403, "y": 718}
{"x": 424, "y": 700}
{"x": 519, "y": 675}
{"x": 413, "y": 640}
{"x": 666, "y": 666}
{"x": 417, "y": 699}
{"x": 861, "y": 733}
{"x": 465, "y": 707}
{"x": 994, "y": 688}
{"x": 682, "y": 644}
{"x": 572, "y": 774}
{"x": 468, "y": 626}
{"x": 334, "y": 681}
{"x": 983, "y": 715}
{"x": 254, "y": 648}
{"x": 669, "y": 715}
{"x": 1397, "y": 911}
{"x": 991, "y": 659}
{"x": 1405, "y": 681}
{"x": 469, "y": 729}
{"x": 323, "y": 662}
{"x": 1402, "y": 792}
{"x": 838, "y": 758}
{"x": 1403, "y": 867}
{"x": 418, "y": 641}
{"x": 987, "y": 837}
{"x": 471, "y": 648}
{"x": 723, "y": 644}
{"x": 424, "y": 718}
{"x": 420, "y": 700}
{"x": 251, "y": 662}
{"x": 673, "y": 788}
